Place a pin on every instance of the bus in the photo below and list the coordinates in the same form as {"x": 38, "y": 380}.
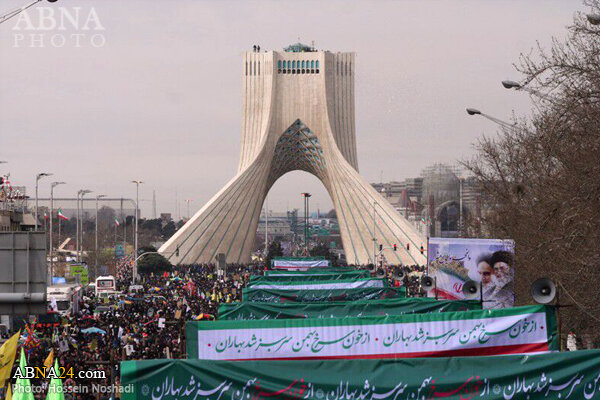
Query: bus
{"x": 105, "y": 285}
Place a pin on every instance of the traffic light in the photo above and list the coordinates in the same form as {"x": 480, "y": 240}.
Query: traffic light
{"x": 395, "y": 247}
{"x": 422, "y": 250}
{"x": 407, "y": 246}
{"x": 177, "y": 252}
{"x": 380, "y": 247}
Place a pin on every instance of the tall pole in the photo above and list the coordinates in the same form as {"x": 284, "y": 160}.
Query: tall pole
{"x": 460, "y": 205}
{"x": 137, "y": 202}
{"x": 266, "y": 223}
{"x": 80, "y": 225}
{"x": 59, "y": 223}
{"x": 52, "y": 186}
{"x": 374, "y": 238}
{"x": 96, "y": 247}
{"x": 306, "y": 211}
{"x": 37, "y": 180}
{"x": 77, "y": 226}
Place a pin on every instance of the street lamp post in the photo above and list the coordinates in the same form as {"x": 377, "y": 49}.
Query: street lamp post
{"x": 80, "y": 195}
{"x": 96, "y": 247}
{"x": 593, "y": 19}
{"x": 137, "y": 202}
{"x": 508, "y": 84}
{"x": 307, "y": 196}
{"x": 374, "y": 238}
{"x": 460, "y": 205}
{"x": 37, "y": 179}
{"x": 52, "y": 186}
{"x": 266, "y": 224}
{"x": 504, "y": 124}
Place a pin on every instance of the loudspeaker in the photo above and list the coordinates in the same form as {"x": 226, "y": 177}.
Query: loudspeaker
{"x": 471, "y": 289}
{"x": 399, "y": 275}
{"x": 380, "y": 273}
{"x": 427, "y": 283}
{"x": 543, "y": 291}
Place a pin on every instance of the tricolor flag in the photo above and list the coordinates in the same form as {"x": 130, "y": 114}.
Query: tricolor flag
{"x": 117, "y": 221}
{"x": 61, "y": 215}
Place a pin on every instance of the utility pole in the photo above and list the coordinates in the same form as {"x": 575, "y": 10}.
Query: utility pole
{"x": 37, "y": 180}
{"x": 266, "y": 224}
{"x": 154, "y": 204}
{"x": 306, "y": 211}
{"x": 374, "y": 238}
{"x": 460, "y": 205}
{"x": 137, "y": 203}
{"x": 96, "y": 248}
{"x": 52, "y": 186}
{"x": 80, "y": 224}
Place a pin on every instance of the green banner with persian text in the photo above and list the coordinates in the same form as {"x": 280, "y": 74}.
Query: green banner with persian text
{"x": 303, "y": 296}
{"x": 352, "y": 283}
{"x": 518, "y": 330}
{"x": 312, "y": 272}
{"x": 310, "y": 277}
{"x": 558, "y": 376}
{"x": 340, "y": 309}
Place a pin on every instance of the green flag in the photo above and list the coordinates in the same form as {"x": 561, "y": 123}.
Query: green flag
{"x": 22, "y": 388}
{"x": 55, "y": 391}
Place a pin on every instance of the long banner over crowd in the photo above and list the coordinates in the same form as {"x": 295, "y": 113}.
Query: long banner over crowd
{"x": 312, "y": 272}
{"x": 299, "y": 263}
{"x": 353, "y": 283}
{"x": 326, "y": 276}
{"x": 339, "y": 309}
{"x": 528, "y": 329}
{"x": 303, "y": 296}
{"x": 557, "y": 376}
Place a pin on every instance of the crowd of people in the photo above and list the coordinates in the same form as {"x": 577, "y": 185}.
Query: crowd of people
{"x": 148, "y": 324}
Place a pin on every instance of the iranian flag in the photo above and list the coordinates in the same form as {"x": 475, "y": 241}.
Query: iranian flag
{"x": 117, "y": 221}
{"x": 61, "y": 215}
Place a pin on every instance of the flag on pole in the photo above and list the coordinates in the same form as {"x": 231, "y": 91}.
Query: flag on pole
{"x": 8, "y": 352}
{"x": 117, "y": 221}
{"x": 55, "y": 391}
{"x": 23, "y": 385}
{"x": 49, "y": 360}
{"x": 61, "y": 215}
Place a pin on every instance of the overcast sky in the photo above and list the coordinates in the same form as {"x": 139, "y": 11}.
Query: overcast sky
{"x": 160, "y": 100}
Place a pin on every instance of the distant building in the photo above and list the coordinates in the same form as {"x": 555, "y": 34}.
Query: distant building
{"x": 276, "y": 228}
{"x": 13, "y": 220}
{"x": 434, "y": 198}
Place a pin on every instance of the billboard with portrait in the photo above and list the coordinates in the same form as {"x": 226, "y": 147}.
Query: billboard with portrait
{"x": 490, "y": 262}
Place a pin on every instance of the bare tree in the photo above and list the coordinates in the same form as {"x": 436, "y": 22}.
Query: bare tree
{"x": 541, "y": 179}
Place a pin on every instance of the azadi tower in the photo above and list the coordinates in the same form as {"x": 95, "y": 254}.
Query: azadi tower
{"x": 298, "y": 115}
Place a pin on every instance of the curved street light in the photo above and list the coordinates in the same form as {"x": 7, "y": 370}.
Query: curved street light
{"x": 52, "y": 186}
{"x": 593, "y": 19}
{"x": 504, "y": 124}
